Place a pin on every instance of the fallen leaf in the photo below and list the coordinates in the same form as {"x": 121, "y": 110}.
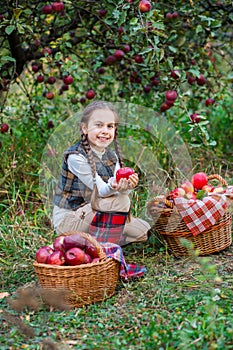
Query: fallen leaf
{"x": 3, "y": 295}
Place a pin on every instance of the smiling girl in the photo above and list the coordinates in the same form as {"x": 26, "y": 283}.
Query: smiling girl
{"x": 91, "y": 162}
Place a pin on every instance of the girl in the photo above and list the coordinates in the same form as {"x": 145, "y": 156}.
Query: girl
{"x": 90, "y": 164}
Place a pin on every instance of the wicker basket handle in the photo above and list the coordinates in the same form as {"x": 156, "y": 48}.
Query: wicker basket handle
{"x": 161, "y": 199}
{"x": 217, "y": 177}
{"x": 89, "y": 238}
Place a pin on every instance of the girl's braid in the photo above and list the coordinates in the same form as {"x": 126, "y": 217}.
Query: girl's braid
{"x": 89, "y": 153}
{"x": 118, "y": 149}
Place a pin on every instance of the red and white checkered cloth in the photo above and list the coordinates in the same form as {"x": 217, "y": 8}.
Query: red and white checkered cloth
{"x": 200, "y": 215}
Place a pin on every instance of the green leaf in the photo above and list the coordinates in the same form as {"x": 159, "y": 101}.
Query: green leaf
{"x": 17, "y": 12}
{"x": 133, "y": 21}
{"x": 172, "y": 49}
{"x": 9, "y": 29}
{"x": 7, "y": 58}
{"x": 201, "y": 194}
{"x": 199, "y": 29}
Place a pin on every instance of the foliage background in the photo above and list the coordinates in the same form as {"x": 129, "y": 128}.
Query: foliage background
{"x": 181, "y": 303}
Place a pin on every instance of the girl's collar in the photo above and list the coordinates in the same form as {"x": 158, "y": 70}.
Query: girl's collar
{"x": 98, "y": 153}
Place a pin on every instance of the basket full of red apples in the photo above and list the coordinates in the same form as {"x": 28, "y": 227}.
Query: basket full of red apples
{"x": 196, "y": 210}
{"x": 76, "y": 263}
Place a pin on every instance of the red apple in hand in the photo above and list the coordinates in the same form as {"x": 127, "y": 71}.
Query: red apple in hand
{"x": 124, "y": 173}
{"x": 56, "y": 258}
{"x": 43, "y": 253}
{"x": 199, "y": 180}
{"x": 75, "y": 256}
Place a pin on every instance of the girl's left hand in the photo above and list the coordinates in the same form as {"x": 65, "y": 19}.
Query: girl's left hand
{"x": 133, "y": 180}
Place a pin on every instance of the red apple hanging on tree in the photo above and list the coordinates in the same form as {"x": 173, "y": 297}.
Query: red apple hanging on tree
{"x": 144, "y": 6}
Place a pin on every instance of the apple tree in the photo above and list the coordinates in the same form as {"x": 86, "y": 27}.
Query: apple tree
{"x": 173, "y": 57}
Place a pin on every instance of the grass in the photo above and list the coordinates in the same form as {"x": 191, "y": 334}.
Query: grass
{"x": 180, "y": 303}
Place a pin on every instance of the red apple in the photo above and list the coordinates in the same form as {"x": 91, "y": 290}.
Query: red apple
{"x": 56, "y": 258}
{"x": 175, "y": 74}
{"x": 175, "y": 15}
{"x": 126, "y": 48}
{"x": 101, "y": 70}
{"x": 43, "y": 253}
{"x": 119, "y": 54}
{"x": 171, "y": 95}
{"x": 124, "y": 173}
{"x": 68, "y": 79}
{"x": 169, "y": 15}
{"x": 164, "y": 107}
{"x": 110, "y": 60}
{"x": 144, "y": 6}
{"x": 195, "y": 118}
{"x": 75, "y": 256}
{"x": 209, "y": 101}
{"x": 169, "y": 103}
{"x": 102, "y": 12}
{"x": 58, "y": 6}
{"x": 201, "y": 80}
{"x": 40, "y": 78}
{"x": 208, "y": 188}
{"x": 187, "y": 186}
{"x": 4, "y": 128}
{"x": 58, "y": 243}
{"x": 177, "y": 192}
{"x": 91, "y": 250}
{"x": 49, "y": 95}
{"x": 35, "y": 68}
{"x": 47, "y": 9}
{"x": 74, "y": 241}
{"x": 90, "y": 94}
{"x": 199, "y": 180}
{"x": 51, "y": 80}
{"x": 191, "y": 80}
{"x": 95, "y": 260}
{"x": 147, "y": 88}
{"x": 138, "y": 58}
{"x": 46, "y": 51}
{"x": 87, "y": 259}
{"x": 219, "y": 189}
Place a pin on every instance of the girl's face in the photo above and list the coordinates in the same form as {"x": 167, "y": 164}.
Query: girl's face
{"x": 100, "y": 129}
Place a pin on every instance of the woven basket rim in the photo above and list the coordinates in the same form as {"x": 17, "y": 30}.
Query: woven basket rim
{"x": 68, "y": 267}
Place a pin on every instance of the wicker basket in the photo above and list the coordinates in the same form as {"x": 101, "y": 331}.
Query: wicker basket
{"x": 84, "y": 284}
{"x": 169, "y": 224}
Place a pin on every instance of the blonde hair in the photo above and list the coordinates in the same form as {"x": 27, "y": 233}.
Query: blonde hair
{"x": 87, "y": 113}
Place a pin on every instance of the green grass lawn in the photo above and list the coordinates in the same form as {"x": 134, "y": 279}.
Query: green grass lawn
{"x": 180, "y": 303}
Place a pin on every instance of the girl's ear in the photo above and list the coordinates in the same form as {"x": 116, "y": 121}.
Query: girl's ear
{"x": 84, "y": 128}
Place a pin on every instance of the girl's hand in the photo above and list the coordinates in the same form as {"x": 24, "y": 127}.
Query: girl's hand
{"x": 124, "y": 184}
{"x": 133, "y": 180}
